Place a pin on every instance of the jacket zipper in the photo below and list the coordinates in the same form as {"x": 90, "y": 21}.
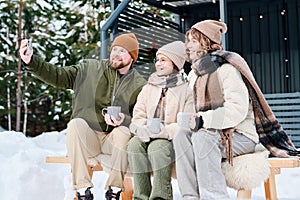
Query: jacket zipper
{"x": 117, "y": 86}
{"x": 116, "y": 89}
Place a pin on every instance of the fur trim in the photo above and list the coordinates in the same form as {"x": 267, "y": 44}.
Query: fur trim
{"x": 248, "y": 171}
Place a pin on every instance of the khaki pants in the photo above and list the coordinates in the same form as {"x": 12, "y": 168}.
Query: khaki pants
{"x": 84, "y": 143}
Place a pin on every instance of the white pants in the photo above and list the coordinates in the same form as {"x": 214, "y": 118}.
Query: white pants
{"x": 198, "y": 158}
{"x": 84, "y": 143}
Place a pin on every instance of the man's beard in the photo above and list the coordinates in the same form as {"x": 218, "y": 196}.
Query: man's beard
{"x": 117, "y": 65}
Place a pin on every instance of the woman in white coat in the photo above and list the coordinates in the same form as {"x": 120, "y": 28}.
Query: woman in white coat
{"x": 166, "y": 94}
{"x": 223, "y": 126}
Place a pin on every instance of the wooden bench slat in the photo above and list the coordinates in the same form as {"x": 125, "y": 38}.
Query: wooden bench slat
{"x": 284, "y": 162}
{"x": 275, "y": 162}
{"x": 57, "y": 159}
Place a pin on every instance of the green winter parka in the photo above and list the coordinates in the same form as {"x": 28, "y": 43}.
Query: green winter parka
{"x": 96, "y": 85}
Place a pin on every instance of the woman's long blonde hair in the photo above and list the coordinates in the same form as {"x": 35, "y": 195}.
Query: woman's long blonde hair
{"x": 206, "y": 44}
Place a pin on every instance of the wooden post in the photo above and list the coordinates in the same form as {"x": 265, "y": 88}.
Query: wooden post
{"x": 244, "y": 194}
{"x": 128, "y": 193}
{"x": 270, "y": 184}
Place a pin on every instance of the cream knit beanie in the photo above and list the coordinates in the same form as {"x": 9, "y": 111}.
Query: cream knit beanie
{"x": 175, "y": 51}
{"x": 212, "y": 29}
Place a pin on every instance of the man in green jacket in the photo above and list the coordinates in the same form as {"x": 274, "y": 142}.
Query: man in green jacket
{"x": 97, "y": 85}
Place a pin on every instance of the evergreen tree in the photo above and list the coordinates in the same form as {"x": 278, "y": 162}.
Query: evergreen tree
{"x": 63, "y": 33}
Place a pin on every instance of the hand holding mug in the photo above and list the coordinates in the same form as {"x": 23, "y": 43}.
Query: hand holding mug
{"x": 112, "y": 111}
{"x": 113, "y": 115}
{"x": 112, "y": 121}
{"x": 183, "y": 119}
{"x": 196, "y": 122}
{"x": 153, "y": 124}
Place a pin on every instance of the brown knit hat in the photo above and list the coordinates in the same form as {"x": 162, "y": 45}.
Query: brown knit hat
{"x": 212, "y": 29}
{"x": 129, "y": 42}
{"x": 175, "y": 51}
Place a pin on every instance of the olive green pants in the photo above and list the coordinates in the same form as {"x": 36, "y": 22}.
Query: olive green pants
{"x": 154, "y": 157}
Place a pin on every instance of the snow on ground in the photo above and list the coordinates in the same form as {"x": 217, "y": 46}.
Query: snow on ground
{"x": 24, "y": 175}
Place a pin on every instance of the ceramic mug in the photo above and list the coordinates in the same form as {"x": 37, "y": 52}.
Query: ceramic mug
{"x": 183, "y": 119}
{"x": 153, "y": 124}
{"x": 112, "y": 110}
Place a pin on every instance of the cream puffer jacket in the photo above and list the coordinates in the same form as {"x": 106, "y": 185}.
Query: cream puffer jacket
{"x": 178, "y": 99}
{"x": 237, "y": 111}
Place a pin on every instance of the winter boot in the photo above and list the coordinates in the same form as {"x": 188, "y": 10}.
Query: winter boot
{"x": 110, "y": 195}
{"x": 87, "y": 196}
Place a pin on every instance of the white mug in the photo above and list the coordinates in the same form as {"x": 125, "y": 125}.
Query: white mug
{"x": 153, "y": 124}
{"x": 112, "y": 110}
{"x": 183, "y": 119}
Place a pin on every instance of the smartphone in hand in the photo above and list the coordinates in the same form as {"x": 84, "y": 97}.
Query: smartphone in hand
{"x": 29, "y": 49}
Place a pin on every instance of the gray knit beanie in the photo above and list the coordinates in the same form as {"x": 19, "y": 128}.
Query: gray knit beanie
{"x": 212, "y": 29}
{"x": 175, "y": 51}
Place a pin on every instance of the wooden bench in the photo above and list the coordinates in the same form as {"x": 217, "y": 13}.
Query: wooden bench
{"x": 286, "y": 107}
{"x": 270, "y": 185}
{"x": 276, "y": 165}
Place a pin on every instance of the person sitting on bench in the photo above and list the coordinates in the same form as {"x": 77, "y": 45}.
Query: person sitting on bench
{"x": 97, "y": 85}
{"x": 232, "y": 115}
{"x": 154, "y": 123}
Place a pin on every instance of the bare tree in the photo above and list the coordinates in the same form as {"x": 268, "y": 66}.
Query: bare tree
{"x": 19, "y": 80}
{"x": 25, "y": 108}
{"x": 8, "y": 91}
